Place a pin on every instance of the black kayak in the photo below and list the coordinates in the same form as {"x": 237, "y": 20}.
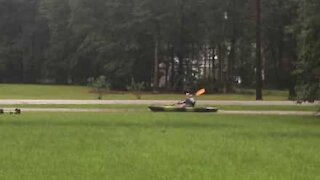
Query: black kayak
{"x": 182, "y": 109}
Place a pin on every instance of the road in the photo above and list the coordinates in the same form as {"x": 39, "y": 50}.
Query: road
{"x": 295, "y": 113}
{"x": 148, "y": 102}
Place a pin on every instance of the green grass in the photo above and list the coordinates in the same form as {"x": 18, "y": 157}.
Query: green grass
{"x": 147, "y": 145}
{"x": 19, "y": 91}
{"x": 145, "y": 107}
{"x": 271, "y": 108}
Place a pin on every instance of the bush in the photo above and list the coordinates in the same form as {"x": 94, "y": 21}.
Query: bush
{"x": 99, "y": 85}
{"x": 136, "y": 88}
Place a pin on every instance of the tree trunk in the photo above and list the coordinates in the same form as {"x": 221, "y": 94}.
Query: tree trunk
{"x": 156, "y": 64}
{"x": 213, "y": 65}
{"x": 209, "y": 63}
{"x": 173, "y": 72}
{"x": 220, "y": 58}
{"x": 205, "y": 63}
{"x": 258, "y": 52}
{"x": 180, "y": 72}
{"x": 167, "y": 66}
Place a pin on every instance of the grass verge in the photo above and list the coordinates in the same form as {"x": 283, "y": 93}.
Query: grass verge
{"x": 158, "y": 146}
{"x": 23, "y": 91}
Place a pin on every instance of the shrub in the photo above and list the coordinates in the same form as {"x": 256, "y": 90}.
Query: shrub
{"x": 99, "y": 85}
{"x": 136, "y": 88}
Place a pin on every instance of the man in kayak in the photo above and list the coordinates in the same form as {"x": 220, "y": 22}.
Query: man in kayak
{"x": 188, "y": 102}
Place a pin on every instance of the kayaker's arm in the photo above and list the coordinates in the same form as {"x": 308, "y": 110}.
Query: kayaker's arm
{"x": 181, "y": 102}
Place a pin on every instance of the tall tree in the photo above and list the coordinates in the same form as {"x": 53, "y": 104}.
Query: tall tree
{"x": 24, "y": 37}
{"x": 259, "y": 82}
{"x": 308, "y": 69}
{"x": 57, "y": 14}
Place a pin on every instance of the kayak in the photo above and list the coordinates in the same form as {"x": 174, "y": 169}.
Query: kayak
{"x": 182, "y": 109}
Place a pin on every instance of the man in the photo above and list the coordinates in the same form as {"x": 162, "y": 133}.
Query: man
{"x": 189, "y": 102}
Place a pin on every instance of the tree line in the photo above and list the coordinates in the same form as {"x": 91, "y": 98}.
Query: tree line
{"x": 169, "y": 44}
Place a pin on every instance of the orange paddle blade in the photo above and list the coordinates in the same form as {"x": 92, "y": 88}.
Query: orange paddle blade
{"x": 200, "y": 92}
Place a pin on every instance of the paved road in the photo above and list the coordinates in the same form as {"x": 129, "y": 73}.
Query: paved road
{"x": 295, "y": 113}
{"x": 147, "y": 102}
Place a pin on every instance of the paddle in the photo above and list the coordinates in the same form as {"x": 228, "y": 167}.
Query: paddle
{"x": 200, "y": 92}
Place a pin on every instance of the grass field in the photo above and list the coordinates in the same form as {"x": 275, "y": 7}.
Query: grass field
{"x": 147, "y": 145}
{"x": 17, "y": 91}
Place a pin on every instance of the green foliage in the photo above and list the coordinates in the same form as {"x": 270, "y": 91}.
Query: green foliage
{"x": 279, "y": 49}
{"x": 308, "y": 67}
{"x": 99, "y": 85}
{"x": 22, "y": 42}
{"x": 68, "y": 41}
